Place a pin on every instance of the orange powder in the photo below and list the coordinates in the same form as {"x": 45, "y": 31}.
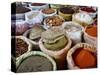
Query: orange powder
{"x": 92, "y": 31}
{"x": 84, "y": 58}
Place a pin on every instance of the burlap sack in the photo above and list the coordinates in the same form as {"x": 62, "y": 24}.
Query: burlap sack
{"x": 71, "y": 64}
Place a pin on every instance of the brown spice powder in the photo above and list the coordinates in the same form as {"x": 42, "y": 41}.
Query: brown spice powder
{"x": 21, "y": 47}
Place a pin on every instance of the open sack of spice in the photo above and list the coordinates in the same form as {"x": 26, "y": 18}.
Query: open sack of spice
{"x": 55, "y": 42}
{"x": 82, "y": 56}
{"x": 35, "y": 61}
{"x": 34, "y": 35}
{"x": 90, "y": 35}
{"x": 20, "y": 45}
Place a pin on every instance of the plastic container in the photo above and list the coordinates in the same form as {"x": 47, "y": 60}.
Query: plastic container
{"x": 90, "y": 10}
{"x": 74, "y": 31}
{"x": 34, "y": 17}
{"x": 82, "y": 18}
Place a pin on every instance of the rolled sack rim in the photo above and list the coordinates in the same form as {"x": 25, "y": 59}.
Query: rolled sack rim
{"x": 39, "y": 53}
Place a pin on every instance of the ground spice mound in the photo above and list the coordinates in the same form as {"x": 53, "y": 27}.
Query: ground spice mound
{"x": 67, "y": 10}
{"x": 38, "y": 4}
{"x": 92, "y": 31}
{"x": 34, "y": 64}
{"x": 48, "y": 11}
{"x": 20, "y": 9}
{"x": 21, "y": 47}
{"x": 84, "y": 58}
{"x": 88, "y": 9}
